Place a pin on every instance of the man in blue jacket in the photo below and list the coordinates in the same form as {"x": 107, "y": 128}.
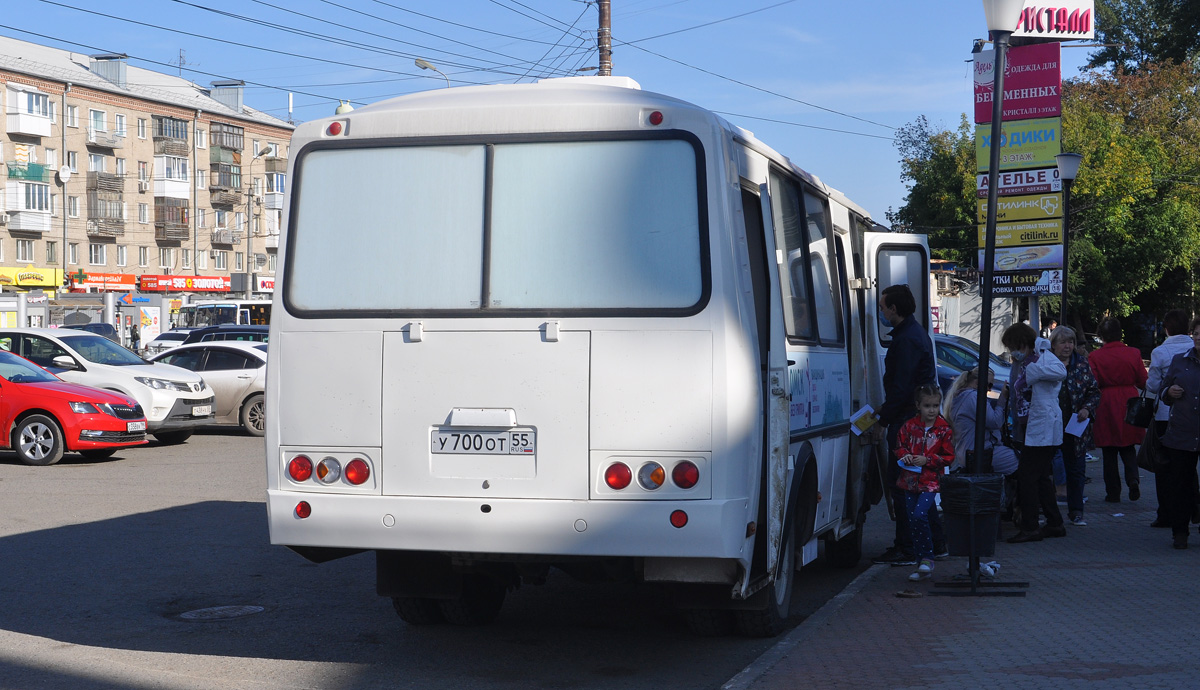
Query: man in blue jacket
{"x": 909, "y": 363}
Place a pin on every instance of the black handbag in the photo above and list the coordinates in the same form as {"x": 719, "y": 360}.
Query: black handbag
{"x": 1139, "y": 411}
{"x": 1149, "y": 455}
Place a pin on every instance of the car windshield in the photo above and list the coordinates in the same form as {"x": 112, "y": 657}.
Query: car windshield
{"x": 974, "y": 349}
{"x": 19, "y": 370}
{"x": 98, "y": 350}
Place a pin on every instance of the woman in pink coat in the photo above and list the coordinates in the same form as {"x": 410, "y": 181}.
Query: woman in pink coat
{"x": 1119, "y": 370}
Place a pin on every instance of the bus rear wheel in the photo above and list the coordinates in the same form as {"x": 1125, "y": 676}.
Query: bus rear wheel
{"x": 418, "y": 610}
{"x": 772, "y": 619}
{"x": 478, "y": 604}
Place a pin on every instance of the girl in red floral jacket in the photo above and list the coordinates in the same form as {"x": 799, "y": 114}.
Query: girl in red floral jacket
{"x": 924, "y": 446}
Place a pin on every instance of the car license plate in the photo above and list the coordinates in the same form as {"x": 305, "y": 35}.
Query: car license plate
{"x": 201, "y": 410}
{"x": 135, "y": 426}
{"x": 479, "y": 442}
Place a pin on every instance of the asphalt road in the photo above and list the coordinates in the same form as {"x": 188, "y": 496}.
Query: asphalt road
{"x": 100, "y": 562}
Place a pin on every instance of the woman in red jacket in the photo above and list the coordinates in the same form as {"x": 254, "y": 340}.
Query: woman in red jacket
{"x": 1119, "y": 370}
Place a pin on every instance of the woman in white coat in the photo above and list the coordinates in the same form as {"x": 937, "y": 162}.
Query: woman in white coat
{"x": 1043, "y": 435}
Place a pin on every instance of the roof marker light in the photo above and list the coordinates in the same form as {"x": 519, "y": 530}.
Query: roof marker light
{"x": 334, "y": 129}
{"x": 656, "y": 118}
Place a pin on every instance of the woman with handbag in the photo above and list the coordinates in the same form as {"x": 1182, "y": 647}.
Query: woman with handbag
{"x": 1177, "y": 342}
{"x": 1119, "y": 370}
{"x": 1078, "y": 398}
{"x": 1181, "y": 443}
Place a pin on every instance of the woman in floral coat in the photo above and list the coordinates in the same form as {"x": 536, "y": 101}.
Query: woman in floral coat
{"x": 1078, "y": 399}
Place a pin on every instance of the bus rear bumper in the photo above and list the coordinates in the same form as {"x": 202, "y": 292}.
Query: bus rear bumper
{"x": 714, "y": 529}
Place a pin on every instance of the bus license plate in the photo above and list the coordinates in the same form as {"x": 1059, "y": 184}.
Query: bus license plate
{"x": 135, "y": 426}
{"x": 201, "y": 410}
{"x": 506, "y": 442}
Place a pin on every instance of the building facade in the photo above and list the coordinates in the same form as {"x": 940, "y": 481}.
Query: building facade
{"x": 115, "y": 176}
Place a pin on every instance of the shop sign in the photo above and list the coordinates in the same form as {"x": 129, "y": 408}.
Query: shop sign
{"x": 104, "y": 281}
{"x": 264, "y": 283}
{"x": 1026, "y": 258}
{"x": 1023, "y": 144}
{"x": 1025, "y": 233}
{"x": 1064, "y": 20}
{"x": 1032, "y": 83}
{"x": 31, "y": 277}
{"x": 1018, "y": 182}
{"x": 153, "y": 283}
{"x": 1025, "y": 283}
{"x": 1010, "y": 208}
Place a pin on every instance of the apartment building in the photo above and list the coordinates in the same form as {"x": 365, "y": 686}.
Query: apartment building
{"x": 115, "y": 176}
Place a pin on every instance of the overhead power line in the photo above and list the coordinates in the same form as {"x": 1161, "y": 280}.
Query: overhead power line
{"x": 798, "y": 124}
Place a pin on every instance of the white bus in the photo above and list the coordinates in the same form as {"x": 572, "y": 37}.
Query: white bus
{"x": 226, "y": 311}
{"x": 607, "y": 332}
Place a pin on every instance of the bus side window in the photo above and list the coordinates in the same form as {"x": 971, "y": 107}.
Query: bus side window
{"x": 824, "y": 271}
{"x": 787, "y": 212}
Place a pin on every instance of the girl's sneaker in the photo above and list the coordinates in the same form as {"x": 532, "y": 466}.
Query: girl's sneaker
{"x": 924, "y": 571}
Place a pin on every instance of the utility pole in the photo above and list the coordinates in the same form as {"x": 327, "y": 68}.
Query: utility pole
{"x": 604, "y": 38}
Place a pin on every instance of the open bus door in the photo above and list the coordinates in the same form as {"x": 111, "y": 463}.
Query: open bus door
{"x": 891, "y": 259}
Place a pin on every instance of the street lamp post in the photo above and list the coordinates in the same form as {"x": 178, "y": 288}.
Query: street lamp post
{"x": 1002, "y": 17}
{"x": 1068, "y": 170}
{"x": 424, "y": 64}
{"x": 250, "y": 218}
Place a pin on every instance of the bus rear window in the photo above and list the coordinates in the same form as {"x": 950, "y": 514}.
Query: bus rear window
{"x": 584, "y": 225}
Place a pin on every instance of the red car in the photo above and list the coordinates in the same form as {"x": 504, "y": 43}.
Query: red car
{"x": 47, "y": 416}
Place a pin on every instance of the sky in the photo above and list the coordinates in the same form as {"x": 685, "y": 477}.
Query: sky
{"x": 824, "y": 83}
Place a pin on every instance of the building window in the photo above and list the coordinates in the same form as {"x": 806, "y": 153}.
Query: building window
{"x": 53, "y": 113}
{"x": 54, "y": 204}
{"x": 121, "y": 254}
{"x": 226, "y": 136}
{"x": 143, "y": 213}
{"x": 143, "y": 170}
{"x": 166, "y": 257}
{"x": 201, "y": 176}
{"x": 171, "y": 167}
{"x": 73, "y": 161}
{"x": 52, "y": 158}
{"x": 141, "y": 128}
{"x": 187, "y": 258}
{"x": 170, "y": 128}
{"x": 98, "y": 120}
{"x": 201, "y": 260}
{"x": 222, "y": 258}
{"x": 237, "y": 261}
{"x": 121, "y": 167}
{"x": 201, "y": 218}
{"x": 222, "y": 218}
{"x": 271, "y": 263}
{"x": 96, "y": 162}
{"x": 143, "y": 257}
{"x": 72, "y": 116}
{"x": 119, "y": 125}
{"x": 25, "y": 251}
{"x": 52, "y": 252}
{"x": 254, "y": 146}
{"x": 97, "y": 254}
{"x": 73, "y": 253}
{"x": 37, "y": 196}
{"x": 201, "y": 138}
{"x": 73, "y": 208}
{"x": 239, "y": 221}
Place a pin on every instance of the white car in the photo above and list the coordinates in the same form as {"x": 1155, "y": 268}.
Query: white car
{"x": 175, "y": 400}
{"x": 237, "y": 373}
{"x": 165, "y": 341}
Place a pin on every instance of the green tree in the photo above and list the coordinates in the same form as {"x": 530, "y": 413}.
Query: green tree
{"x": 1136, "y": 33}
{"x": 938, "y": 167}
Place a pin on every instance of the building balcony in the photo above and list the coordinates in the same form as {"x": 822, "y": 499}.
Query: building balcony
{"x": 30, "y": 172}
{"x": 172, "y": 189}
{"x": 273, "y": 201}
{"x": 105, "y": 227}
{"x": 223, "y": 196}
{"x": 276, "y": 165}
{"x": 29, "y": 221}
{"x": 171, "y": 231}
{"x": 272, "y": 241}
{"x": 171, "y": 146}
{"x": 29, "y": 124}
{"x": 105, "y": 182}
{"x": 226, "y": 236}
{"x": 103, "y": 139}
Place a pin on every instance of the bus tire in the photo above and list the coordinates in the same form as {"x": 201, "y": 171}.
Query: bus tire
{"x": 771, "y": 620}
{"x": 845, "y": 552}
{"x": 478, "y": 604}
{"x": 709, "y": 622}
{"x": 418, "y": 610}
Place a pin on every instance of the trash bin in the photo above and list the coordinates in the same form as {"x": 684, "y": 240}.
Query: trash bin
{"x": 967, "y": 495}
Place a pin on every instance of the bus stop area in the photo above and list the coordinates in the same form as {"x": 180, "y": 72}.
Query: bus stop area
{"x": 1112, "y": 605}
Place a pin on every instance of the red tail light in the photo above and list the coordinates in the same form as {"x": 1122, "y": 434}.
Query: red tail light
{"x": 685, "y": 475}
{"x": 618, "y": 476}
{"x": 303, "y": 509}
{"x": 300, "y": 468}
{"x": 678, "y": 518}
{"x": 357, "y": 471}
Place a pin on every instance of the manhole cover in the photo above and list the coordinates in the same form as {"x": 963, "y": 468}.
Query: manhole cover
{"x": 217, "y": 613}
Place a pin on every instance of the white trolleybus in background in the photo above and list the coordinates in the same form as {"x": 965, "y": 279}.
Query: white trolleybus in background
{"x": 611, "y": 333}
{"x": 203, "y": 313}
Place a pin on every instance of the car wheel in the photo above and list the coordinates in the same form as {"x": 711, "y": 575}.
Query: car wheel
{"x": 98, "y": 453}
{"x": 172, "y": 438}
{"x": 254, "y": 419}
{"x": 38, "y": 440}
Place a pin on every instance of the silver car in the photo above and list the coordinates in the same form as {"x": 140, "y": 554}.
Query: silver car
{"x": 237, "y": 374}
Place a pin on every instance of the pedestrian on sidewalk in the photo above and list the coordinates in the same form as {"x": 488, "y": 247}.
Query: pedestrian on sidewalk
{"x": 1119, "y": 370}
{"x": 1181, "y": 390}
{"x": 1078, "y": 397}
{"x": 908, "y": 364}
{"x": 960, "y": 408}
{"x": 1177, "y": 342}
{"x": 1042, "y": 378}
{"x": 925, "y": 445}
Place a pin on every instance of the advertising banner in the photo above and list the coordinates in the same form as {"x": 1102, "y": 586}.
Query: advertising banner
{"x": 31, "y": 277}
{"x": 1034, "y": 207}
{"x": 1026, "y": 258}
{"x": 1032, "y": 83}
{"x": 151, "y": 283}
{"x": 1023, "y": 144}
{"x": 1064, "y": 20}
{"x": 1025, "y": 233}
{"x": 1026, "y": 283}
{"x": 149, "y": 323}
{"x": 264, "y": 283}
{"x": 1017, "y": 182}
{"x": 104, "y": 281}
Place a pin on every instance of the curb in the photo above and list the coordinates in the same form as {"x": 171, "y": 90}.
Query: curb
{"x": 800, "y": 633}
